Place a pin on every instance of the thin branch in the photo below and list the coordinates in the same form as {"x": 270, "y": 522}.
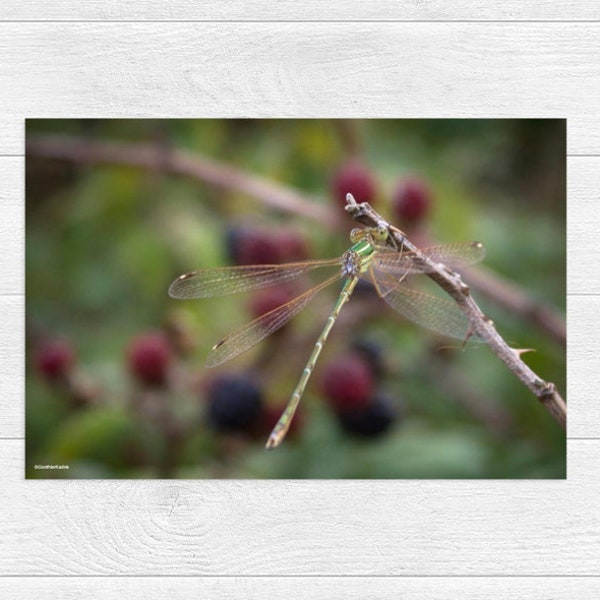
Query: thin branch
{"x": 513, "y": 298}
{"x": 152, "y": 157}
{"x": 158, "y": 157}
{"x": 481, "y": 326}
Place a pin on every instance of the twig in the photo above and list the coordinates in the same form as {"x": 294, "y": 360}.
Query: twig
{"x": 199, "y": 168}
{"x": 151, "y": 157}
{"x": 481, "y": 326}
{"x": 513, "y": 298}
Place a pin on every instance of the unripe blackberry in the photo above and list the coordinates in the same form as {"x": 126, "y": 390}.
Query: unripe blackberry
{"x": 347, "y": 382}
{"x": 373, "y": 353}
{"x": 411, "y": 200}
{"x": 258, "y": 247}
{"x": 54, "y": 359}
{"x": 271, "y": 415}
{"x": 292, "y": 245}
{"x": 356, "y": 179}
{"x": 371, "y": 420}
{"x": 234, "y": 403}
{"x": 149, "y": 357}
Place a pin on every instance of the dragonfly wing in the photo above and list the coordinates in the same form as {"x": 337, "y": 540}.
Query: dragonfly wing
{"x": 247, "y": 336}
{"x": 207, "y": 283}
{"x": 454, "y": 256}
{"x": 437, "y": 314}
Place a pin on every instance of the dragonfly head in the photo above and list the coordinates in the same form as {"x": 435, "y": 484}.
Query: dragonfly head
{"x": 357, "y": 234}
{"x": 377, "y": 234}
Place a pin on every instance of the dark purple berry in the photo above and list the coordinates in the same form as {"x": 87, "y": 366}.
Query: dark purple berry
{"x": 412, "y": 200}
{"x": 258, "y": 247}
{"x": 234, "y": 403}
{"x": 292, "y": 245}
{"x": 233, "y": 236}
{"x": 149, "y": 357}
{"x": 365, "y": 289}
{"x": 356, "y": 179}
{"x": 372, "y": 352}
{"x": 54, "y": 359}
{"x": 347, "y": 382}
{"x": 371, "y": 420}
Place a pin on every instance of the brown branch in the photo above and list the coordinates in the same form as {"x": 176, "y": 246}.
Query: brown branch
{"x": 481, "y": 326}
{"x": 513, "y": 298}
{"x": 159, "y": 157}
{"x": 152, "y": 157}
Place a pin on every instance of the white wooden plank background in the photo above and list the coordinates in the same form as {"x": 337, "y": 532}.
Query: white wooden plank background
{"x": 300, "y": 588}
{"x": 292, "y": 10}
{"x": 464, "y": 539}
{"x": 302, "y": 69}
{"x": 316, "y": 528}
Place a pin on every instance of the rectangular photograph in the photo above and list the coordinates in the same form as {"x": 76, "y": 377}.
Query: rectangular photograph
{"x": 293, "y": 299}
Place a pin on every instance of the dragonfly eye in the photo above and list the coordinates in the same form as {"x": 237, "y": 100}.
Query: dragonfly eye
{"x": 356, "y": 235}
{"x": 380, "y": 233}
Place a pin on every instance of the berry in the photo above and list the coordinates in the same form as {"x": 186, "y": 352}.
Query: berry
{"x": 258, "y": 247}
{"x": 148, "y": 357}
{"x": 233, "y": 237}
{"x": 371, "y": 420}
{"x": 292, "y": 245}
{"x": 234, "y": 403}
{"x": 372, "y": 353}
{"x": 347, "y": 382}
{"x": 354, "y": 178}
{"x": 412, "y": 200}
{"x": 265, "y": 301}
{"x": 271, "y": 415}
{"x": 54, "y": 359}
{"x": 365, "y": 289}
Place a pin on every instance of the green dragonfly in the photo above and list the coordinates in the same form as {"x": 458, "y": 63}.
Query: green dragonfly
{"x": 370, "y": 259}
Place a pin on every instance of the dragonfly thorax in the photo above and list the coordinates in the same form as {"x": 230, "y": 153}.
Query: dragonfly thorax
{"x": 356, "y": 260}
{"x": 353, "y": 264}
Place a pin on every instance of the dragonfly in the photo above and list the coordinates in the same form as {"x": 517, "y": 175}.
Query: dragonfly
{"x": 369, "y": 258}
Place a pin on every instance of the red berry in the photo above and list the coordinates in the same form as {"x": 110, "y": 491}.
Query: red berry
{"x": 54, "y": 359}
{"x": 356, "y": 179}
{"x": 258, "y": 247}
{"x": 271, "y": 415}
{"x": 265, "y": 301}
{"x": 348, "y": 382}
{"x": 149, "y": 357}
{"x": 292, "y": 245}
{"x": 412, "y": 200}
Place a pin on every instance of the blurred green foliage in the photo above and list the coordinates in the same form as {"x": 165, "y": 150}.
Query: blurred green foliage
{"x": 104, "y": 242}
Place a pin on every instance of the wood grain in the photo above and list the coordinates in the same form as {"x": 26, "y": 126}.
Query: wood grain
{"x": 317, "y": 528}
{"x": 300, "y": 70}
{"x": 312, "y": 10}
{"x": 300, "y": 588}
{"x": 407, "y": 539}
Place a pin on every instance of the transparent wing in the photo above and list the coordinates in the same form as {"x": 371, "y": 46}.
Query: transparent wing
{"x": 206, "y": 283}
{"x": 454, "y": 256}
{"x": 437, "y": 314}
{"x": 247, "y": 336}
